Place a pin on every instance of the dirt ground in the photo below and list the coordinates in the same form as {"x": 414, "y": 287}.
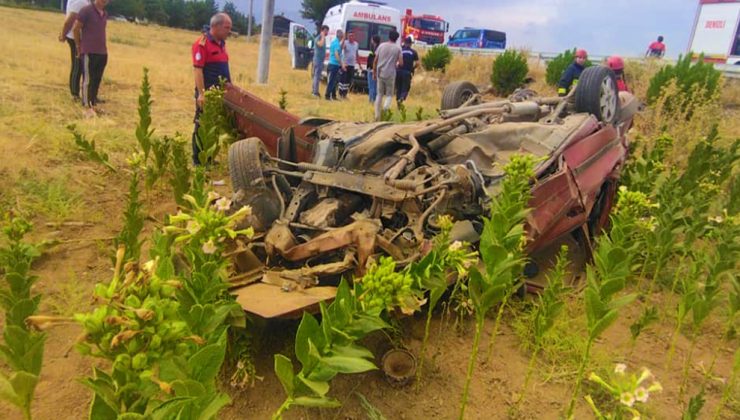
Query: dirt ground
{"x": 79, "y": 205}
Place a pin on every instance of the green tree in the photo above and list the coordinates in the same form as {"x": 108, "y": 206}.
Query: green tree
{"x": 316, "y": 10}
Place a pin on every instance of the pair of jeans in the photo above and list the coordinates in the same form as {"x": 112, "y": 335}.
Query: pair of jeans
{"x": 318, "y": 67}
{"x": 75, "y": 72}
{"x": 372, "y": 86}
{"x": 403, "y": 84}
{"x": 332, "y": 81}
{"x": 384, "y": 95}
{"x": 93, "y": 66}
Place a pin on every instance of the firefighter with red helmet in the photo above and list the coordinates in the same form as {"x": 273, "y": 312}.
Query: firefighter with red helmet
{"x": 616, "y": 63}
{"x": 570, "y": 76}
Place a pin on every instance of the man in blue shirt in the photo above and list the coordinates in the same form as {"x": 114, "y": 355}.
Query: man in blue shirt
{"x": 335, "y": 63}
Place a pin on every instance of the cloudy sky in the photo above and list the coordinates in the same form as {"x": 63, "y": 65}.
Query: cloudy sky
{"x": 600, "y": 26}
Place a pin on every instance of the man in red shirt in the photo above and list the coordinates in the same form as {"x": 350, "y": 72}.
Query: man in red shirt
{"x": 210, "y": 65}
{"x": 656, "y": 48}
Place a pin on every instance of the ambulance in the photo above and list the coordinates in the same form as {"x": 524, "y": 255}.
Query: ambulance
{"x": 716, "y": 31}
{"x": 364, "y": 19}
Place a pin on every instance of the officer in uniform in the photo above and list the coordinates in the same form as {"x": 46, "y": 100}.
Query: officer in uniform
{"x": 210, "y": 65}
{"x": 570, "y": 76}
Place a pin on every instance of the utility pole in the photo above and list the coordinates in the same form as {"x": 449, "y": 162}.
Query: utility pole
{"x": 263, "y": 63}
{"x": 249, "y": 22}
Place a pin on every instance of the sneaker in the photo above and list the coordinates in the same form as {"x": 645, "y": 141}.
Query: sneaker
{"x": 315, "y": 95}
{"x": 89, "y": 113}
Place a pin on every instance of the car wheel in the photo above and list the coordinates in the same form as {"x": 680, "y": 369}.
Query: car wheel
{"x": 597, "y": 94}
{"x": 456, "y": 94}
{"x": 247, "y": 162}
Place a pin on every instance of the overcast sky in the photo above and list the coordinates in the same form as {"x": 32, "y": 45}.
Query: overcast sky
{"x": 600, "y": 26}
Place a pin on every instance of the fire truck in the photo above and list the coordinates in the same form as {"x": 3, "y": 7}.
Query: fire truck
{"x": 716, "y": 31}
{"x": 428, "y": 29}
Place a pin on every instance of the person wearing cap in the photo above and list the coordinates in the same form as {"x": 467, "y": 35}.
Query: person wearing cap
{"x": 616, "y": 63}
{"x": 570, "y": 76}
{"x": 656, "y": 48}
{"x": 405, "y": 72}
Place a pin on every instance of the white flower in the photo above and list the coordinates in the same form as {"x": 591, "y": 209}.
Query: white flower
{"x": 646, "y": 374}
{"x": 456, "y": 246}
{"x": 223, "y": 204}
{"x": 213, "y": 196}
{"x": 655, "y": 387}
{"x": 209, "y": 247}
{"x": 641, "y": 394}
{"x": 620, "y": 368}
{"x": 148, "y": 266}
{"x": 627, "y": 399}
{"x": 193, "y": 227}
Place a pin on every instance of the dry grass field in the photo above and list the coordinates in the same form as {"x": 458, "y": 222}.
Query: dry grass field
{"x": 78, "y": 205}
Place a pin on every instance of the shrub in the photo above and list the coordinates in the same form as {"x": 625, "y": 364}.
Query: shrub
{"x": 557, "y": 66}
{"x": 699, "y": 78}
{"x": 437, "y": 58}
{"x": 509, "y": 71}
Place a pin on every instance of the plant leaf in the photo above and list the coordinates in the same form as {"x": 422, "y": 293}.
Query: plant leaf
{"x": 284, "y": 372}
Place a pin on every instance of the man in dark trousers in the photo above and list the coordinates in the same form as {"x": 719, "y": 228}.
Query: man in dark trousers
{"x": 89, "y": 34}
{"x": 75, "y": 72}
{"x": 570, "y": 76}
{"x": 404, "y": 74}
{"x": 210, "y": 65}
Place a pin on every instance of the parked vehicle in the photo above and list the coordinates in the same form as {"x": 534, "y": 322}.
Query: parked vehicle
{"x": 716, "y": 31}
{"x": 328, "y": 195}
{"x": 477, "y": 38}
{"x": 428, "y": 29}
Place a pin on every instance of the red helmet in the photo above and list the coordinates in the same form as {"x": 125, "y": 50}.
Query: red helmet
{"x": 615, "y": 63}
{"x": 581, "y": 53}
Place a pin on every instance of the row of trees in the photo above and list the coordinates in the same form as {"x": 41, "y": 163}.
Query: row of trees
{"x": 193, "y": 14}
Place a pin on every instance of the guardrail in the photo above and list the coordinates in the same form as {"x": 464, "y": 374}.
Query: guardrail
{"x": 729, "y": 70}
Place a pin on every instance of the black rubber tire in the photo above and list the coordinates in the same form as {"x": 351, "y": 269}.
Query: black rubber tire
{"x": 245, "y": 164}
{"x": 456, "y": 93}
{"x": 597, "y": 94}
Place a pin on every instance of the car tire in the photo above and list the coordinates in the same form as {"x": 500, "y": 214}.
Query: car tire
{"x": 597, "y": 94}
{"x": 245, "y": 164}
{"x": 456, "y": 93}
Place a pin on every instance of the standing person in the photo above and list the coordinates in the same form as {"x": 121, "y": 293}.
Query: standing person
{"x": 210, "y": 65}
{"x": 616, "y": 63}
{"x": 372, "y": 84}
{"x": 89, "y": 34}
{"x": 319, "y": 53}
{"x": 335, "y": 63}
{"x": 656, "y": 48}
{"x": 75, "y": 72}
{"x": 350, "y": 54}
{"x": 387, "y": 57}
{"x": 409, "y": 63}
{"x": 570, "y": 76}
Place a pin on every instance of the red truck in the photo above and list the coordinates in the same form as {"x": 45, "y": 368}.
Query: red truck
{"x": 428, "y": 29}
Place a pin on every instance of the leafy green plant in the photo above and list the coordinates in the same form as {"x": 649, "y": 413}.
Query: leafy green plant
{"x": 630, "y": 391}
{"x": 557, "y": 66}
{"x": 22, "y": 349}
{"x": 607, "y": 275}
{"x": 548, "y": 307}
{"x": 696, "y": 404}
{"x": 502, "y": 251}
{"x": 215, "y": 128}
{"x": 386, "y": 115}
{"x": 88, "y": 148}
{"x": 144, "y": 133}
{"x": 509, "y": 71}
{"x": 692, "y": 78}
{"x": 181, "y": 172}
{"x": 648, "y": 316}
{"x": 133, "y": 219}
{"x": 161, "y": 151}
{"x": 432, "y": 272}
{"x": 402, "y": 112}
{"x": 419, "y": 113}
{"x": 437, "y": 58}
{"x": 730, "y": 385}
{"x": 283, "y": 101}
{"x": 371, "y": 411}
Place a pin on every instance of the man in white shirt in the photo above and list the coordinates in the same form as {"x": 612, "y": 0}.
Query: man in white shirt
{"x": 75, "y": 74}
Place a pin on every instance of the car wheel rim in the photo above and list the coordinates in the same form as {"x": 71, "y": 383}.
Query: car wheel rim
{"x": 608, "y": 101}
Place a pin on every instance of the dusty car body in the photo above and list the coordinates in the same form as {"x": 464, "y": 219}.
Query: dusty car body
{"x": 327, "y": 196}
